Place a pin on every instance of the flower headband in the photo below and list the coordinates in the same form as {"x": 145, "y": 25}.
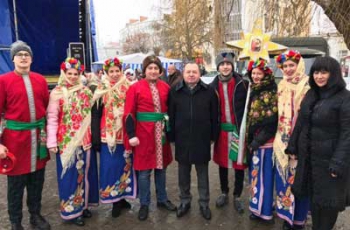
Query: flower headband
{"x": 290, "y": 55}
{"x": 72, "y": 63}
{"x": 112, "y": 62}
{"x": 261, "y": 64}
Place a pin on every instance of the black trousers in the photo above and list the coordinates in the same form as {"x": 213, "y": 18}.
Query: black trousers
{"x": 15, "y": 188}
{"x": 185, "y": 183}
{"x": 323, "y": 219}
{"x": 239, "y": 180}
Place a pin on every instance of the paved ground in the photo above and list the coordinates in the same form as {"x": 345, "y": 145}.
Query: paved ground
{"x": 223, "y": 219}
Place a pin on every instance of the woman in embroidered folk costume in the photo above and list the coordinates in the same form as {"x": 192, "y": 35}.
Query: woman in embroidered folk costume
{"x": 145, "y": 123}
{"x": 261, "y": 130}
{"x": 68, "y": 135}
{"x": 291, "y": 91}
{"x": 117, "y": 178}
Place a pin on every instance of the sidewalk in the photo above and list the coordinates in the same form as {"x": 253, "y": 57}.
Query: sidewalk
{"x": 222, "y": 219}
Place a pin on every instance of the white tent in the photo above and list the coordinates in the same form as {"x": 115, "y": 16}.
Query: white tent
{"x": 134, "y": 61}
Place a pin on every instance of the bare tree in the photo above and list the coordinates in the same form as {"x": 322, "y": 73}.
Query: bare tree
{"x": 287, "y": 18}
{"x": 338, "y": 13}
{"x": 137, "y": 43}
{"x": 223, "y": 10}
{"x": 187, "y": 28}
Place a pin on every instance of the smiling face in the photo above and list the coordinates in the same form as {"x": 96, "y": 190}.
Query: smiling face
{"x": 152, "y": 72}
{"x": 289, "y": 68}
{"x": 321, "y": 78}
{"x": 114, "y": 73}
{"x": 257, "y": 75}
{"x": 72, "y": 76}
{"x": 225, "y": 68}
{"x": 22, "y": 61}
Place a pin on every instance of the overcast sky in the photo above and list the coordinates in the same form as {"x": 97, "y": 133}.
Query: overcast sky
{"x": 112, "y": 15}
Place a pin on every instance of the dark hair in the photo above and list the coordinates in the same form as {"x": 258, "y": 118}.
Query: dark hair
{"x": 332, "y": 66}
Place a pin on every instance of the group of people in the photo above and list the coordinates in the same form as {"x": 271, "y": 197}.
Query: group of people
{"x": 292, "y": 138}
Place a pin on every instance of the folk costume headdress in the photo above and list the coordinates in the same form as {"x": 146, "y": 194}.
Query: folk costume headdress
{"x": 72, "y": 137}
{"x": 113, "y": 97}
{"x": 291, "y": 91}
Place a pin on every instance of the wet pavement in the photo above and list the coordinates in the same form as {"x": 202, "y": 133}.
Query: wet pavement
{"x": 222, "y": 219}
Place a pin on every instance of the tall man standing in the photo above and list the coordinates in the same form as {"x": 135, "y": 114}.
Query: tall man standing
{"x": 232, "y": 91}
{"x": 24, "y": 97}
{"x": 194, "y": 125}
{"x": 144, "y": 116}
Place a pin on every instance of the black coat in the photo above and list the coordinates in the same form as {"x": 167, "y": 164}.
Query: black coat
{"x": 321, "y": 141}
{"x": 194, "y": 122}
{"x": 239, "y": 96}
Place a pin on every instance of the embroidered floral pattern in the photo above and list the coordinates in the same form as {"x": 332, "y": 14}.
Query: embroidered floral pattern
{"x": 123, "y": 185}
{"x": 285, "y": 200}
{"x": 261, "y": 107}
{"x": 113, "y": 110}
{"x": 76, "y": 200}
{"x": 72, "y": 115}
{"x": 254, "y": 178}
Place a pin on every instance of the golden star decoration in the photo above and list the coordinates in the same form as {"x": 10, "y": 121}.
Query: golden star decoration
{"x": 256, "y": 45}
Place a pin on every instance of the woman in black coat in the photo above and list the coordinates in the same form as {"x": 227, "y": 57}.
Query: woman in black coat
{"x": 321, "y": 142}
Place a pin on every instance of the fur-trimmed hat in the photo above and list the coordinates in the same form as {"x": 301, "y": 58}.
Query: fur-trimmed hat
{"x": 149, "y": 60}
{"x": 224, "y": 57}
{"x": 20, "y": 46}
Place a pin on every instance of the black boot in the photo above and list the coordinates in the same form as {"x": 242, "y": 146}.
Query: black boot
{"x": 87, "y": 213}
{"x": 79, "y": 221}
{"x": 286, "y": 226}
{"x": 143, "y": 212}
{"x": 17, "y": 226}
{"x": 125, "y": 204}
{"x": 117, "y": 208}
{"x": 39, "y": 223}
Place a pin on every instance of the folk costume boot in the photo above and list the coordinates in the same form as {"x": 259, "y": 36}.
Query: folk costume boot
{"x": 116, "y": 210}
{"x": 87, "y": 213}
{"x": 286, "y": 226}
{"x": 125, "y": 204}
{"x": 79, "y": 221}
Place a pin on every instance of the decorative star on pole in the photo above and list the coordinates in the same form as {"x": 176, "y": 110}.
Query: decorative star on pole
{"x": 256, "y": 45}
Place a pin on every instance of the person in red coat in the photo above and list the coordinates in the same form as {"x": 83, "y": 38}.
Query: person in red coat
{"x": 232, "y": 91}
{"x": 145, "y": 123}
{"x": 24, "y": 97}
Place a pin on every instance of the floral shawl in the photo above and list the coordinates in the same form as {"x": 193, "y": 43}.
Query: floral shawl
{"x": 263, "y": 105}
{"x": 291, "y": 91}
{"x": 74, "y": 120}
{"x": 113, "y": 97}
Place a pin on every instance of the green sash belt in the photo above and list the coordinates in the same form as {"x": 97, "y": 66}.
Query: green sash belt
{"x": 234, "y": 146}
{"x": 39, "y": 124}
{"x": 154, "y": 117}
